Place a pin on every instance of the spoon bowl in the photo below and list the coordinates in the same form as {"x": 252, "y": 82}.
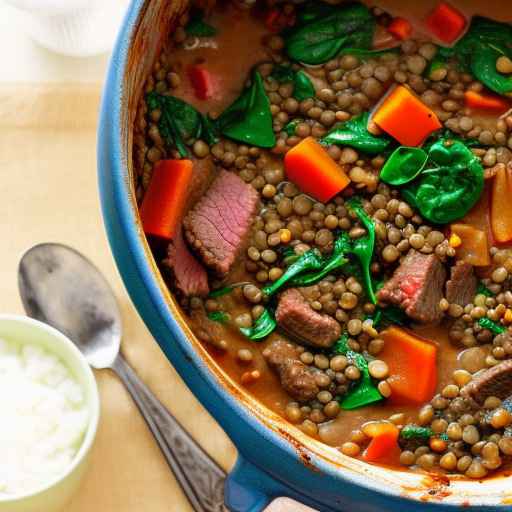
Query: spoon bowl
{"x": 62, "y": 288}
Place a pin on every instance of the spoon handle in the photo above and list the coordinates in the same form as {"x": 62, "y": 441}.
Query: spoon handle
{"x": 200, "y": 477}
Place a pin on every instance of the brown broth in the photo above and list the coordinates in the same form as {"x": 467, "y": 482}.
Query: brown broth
{"x": 238, "y": 49}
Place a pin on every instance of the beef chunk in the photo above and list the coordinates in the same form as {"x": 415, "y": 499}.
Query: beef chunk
{"x": 218, "y": 225}
{"x": 417, "y": 287}
{"x": 495, "y": 381}
{"x": 189, "y": 275}
{"x": 298, "y": 319}
{"x": 462, "y": 285}
{"x": 296, "y": 378}
{"x": 207, "y": 330}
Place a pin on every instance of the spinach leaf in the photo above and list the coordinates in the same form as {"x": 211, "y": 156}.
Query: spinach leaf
{"x": 322, "y": 33}
{"x": 355, "y": 134}
{"x": 449, "y": 190}
{"x": 403, "y": 165}
{"x": 218, "y": 316}
{"x": 363, "y": 247}
{"x": 334, "y": 262}
{"x": 292, "y": 126}
{"x": 180, "y": 123}
{"x": 197, "y": 27}
{"x": 302, "y": 85}
{"x": 478, "y": 50}
{"x": 249, "y": 118}
{"x": 390, "y": 315}
{"x": 310, "y": 260}
{"x": 261, "y": 328}
{"x": 412, "y": 431}
{"x": 494, "y": 327}
{"x": 483, "y": 290}
{"x": 364, "y": 392}
{"x": 314, "y": 10}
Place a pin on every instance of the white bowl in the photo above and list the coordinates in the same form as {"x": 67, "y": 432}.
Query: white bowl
{"x": 56, "y": 493}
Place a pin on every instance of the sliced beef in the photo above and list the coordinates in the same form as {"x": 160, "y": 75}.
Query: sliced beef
{"x": 189, "y": 275}
{"x": 298, "y": 319}
{"x": 462, "y": 285}
{"x": 217, "y": 227}
{"x": 296, "y": 378}
{"x": 417, "y": 287}
{"x": 495, "y": 381}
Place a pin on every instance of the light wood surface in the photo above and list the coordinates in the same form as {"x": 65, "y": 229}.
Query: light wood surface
{"x": 49, "y": 193}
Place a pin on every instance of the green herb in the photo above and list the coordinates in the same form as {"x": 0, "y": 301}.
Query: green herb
{"x": 261, "y": 328}
{"x": 412, "y": 431}
{"x": 483, "y": 290}
{"x": 302, "y": 85}
{"x": 310, "y": 260}
{"x": 355, "y": 133}
{"x": 249, "y": 118}
{"x": 218, "y": 316}
{"x": 196, "y": 27}
{"x": 323, "y": 32}
{"x": 334, "y": 262}
{"x": 364, "y": 392}
{"x": 363, "y": 247}
{"x": 180, "y": 123}
{"x": 484, "y": 42}
{"x": 312, "y": 11}
{"x": 494, "y": 327}
{"x": 291, "y": 127}
{"x": 403, "y": 165}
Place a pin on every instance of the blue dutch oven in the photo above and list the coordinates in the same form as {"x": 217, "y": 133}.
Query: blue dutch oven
{"x": 275, "y": 458}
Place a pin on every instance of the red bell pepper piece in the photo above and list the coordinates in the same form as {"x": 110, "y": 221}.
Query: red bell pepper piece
{"x": 400, "y": 28}
{"x": 201, "y": 81}
{"x": 446, "y": 23}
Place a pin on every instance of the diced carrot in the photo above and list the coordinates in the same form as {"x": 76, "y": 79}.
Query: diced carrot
{"x": 310, "y": 167}
{"x": 473, "y": 248}
{"x": 400, "y": 28}
{"x": 501, "y": 205}
{"x": 446, "y": 23}
{"x": 163, "y": 203}
{"x": 405, "y": 117}
{"x": 485, "y": 101}
{"x": 384, "y": 441}
{"x": 412, "y": 366}
{"x": 201, "y": 81}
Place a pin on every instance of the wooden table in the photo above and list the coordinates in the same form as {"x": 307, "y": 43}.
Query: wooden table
{"x": 49, "y": 194}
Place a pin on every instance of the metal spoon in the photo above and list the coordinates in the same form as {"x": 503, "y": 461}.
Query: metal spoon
{"x": 62, "y": 288}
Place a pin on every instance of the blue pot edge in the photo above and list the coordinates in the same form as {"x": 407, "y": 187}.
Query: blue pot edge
{"x": 138, "y": 278}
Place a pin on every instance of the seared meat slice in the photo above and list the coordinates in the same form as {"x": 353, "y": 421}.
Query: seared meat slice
{"x": 417, "y": 287}
{"x": 495, "y": 381}
{"x": 462, "y": 285}
{"x": 298, "y": 319}
{"x": 217, "y": 227}
{"x": 296, "y": 378}
{"x": 189, "y": 275}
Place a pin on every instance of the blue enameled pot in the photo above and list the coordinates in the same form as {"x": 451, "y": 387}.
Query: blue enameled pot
{"x": 275, "y": 458}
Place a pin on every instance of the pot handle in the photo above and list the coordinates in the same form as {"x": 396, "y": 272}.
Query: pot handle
{"x": 250, "y": 489}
